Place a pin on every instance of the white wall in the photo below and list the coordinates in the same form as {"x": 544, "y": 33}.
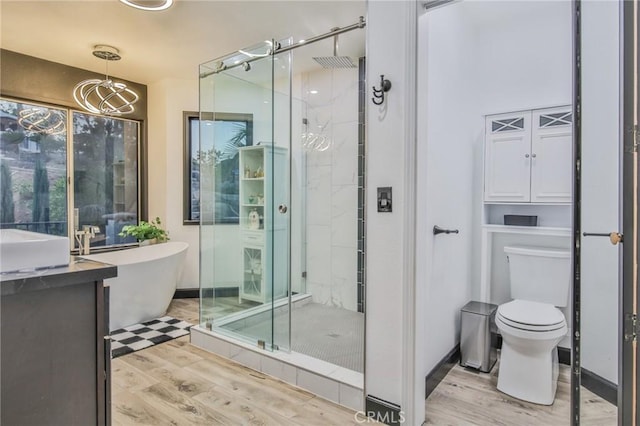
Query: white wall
{"x": 387, "y": 54}
{"x": 523, "y": 54}
{"x": 449, "y": 170}
{"x": 167, "y": 100}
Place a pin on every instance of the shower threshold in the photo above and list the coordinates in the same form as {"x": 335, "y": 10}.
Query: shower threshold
{"x": 333, "y": 382}
{"x": 280, "y": 304}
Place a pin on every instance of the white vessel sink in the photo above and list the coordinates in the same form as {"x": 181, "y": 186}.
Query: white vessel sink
{"x": 24, "y": 250}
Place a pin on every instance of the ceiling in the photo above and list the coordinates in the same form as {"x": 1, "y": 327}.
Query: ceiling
{"x": 169, "y": 44}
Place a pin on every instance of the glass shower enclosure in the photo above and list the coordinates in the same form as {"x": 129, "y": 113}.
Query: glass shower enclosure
{"x": 281, "y": 173}
{"x": 243, "y": 166}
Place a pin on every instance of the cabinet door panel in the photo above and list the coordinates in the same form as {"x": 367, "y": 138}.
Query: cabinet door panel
{"x": 253, "y": 274}
{"x": 551, "y": 156}
{"x": 507, "y": 157}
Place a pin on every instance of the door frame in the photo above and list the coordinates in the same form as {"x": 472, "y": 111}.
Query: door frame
{"x": 576, "y": 366}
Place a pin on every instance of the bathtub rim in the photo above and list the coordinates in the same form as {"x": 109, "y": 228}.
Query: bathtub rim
{"x": 132, "y": 260}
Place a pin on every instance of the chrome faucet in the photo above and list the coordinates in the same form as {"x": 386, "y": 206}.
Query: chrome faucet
{"x": 83, "y": 237}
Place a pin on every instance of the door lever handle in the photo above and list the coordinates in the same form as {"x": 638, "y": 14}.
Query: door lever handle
{"x": 614, "y": 237}
{"x": 437, "y": 230}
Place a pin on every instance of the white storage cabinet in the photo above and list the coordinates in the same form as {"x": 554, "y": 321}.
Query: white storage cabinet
{"x": 528, "y": 156}
{"x": 263, "y": 228}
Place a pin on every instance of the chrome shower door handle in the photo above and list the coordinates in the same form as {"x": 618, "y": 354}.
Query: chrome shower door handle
{"x": 282, "y": 208}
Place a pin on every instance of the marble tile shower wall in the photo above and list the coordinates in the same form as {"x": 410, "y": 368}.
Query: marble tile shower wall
{"x": 331, "y": 99}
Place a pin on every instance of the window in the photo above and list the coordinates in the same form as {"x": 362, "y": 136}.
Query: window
{"x": 33, "y": 167}
{"x": 212, "y": 143}
{"x": 105, "y": 175}
{"x": 35, "y": 173}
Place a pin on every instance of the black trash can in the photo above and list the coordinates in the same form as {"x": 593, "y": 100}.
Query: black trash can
{"x": 478, "y": 345}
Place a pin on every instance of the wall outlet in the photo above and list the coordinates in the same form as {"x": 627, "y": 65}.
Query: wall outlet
{"x": 384, "y": 199}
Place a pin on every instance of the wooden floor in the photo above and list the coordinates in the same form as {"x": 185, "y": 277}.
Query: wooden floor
{"x": 467, "y": 397}
{"x": 187, "y": 309}
{"x": 175, "y": 383}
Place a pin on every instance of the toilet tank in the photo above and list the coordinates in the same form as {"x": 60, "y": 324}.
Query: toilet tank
{"x": 539, "y": 274}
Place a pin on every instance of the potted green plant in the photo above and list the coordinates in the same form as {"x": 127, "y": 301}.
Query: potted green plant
{"x": 146, "y": 232}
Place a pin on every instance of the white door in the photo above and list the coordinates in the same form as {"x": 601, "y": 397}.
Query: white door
{"x": 600, "y": 203}
{"x": 551, "y": 155}
{"x": 508, "y": 157}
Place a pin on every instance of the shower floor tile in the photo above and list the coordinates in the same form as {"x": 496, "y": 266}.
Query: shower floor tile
{"x": 328, "y": 333}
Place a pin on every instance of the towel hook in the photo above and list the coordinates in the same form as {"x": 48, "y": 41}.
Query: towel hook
{"x": 378, "y": 94}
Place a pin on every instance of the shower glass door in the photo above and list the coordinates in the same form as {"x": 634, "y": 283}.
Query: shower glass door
{"x": 243, "y": 166}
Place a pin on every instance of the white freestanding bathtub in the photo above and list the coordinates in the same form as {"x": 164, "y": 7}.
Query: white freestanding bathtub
{"x": 146, "y": 281}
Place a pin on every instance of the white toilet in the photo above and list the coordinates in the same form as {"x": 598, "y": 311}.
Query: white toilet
{"x": 531, "y": 325}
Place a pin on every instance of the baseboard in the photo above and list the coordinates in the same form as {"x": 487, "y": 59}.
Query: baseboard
{"x": 436, "y": 375}
{"x": 382, "y": 411}
{"x": 564, "y": 356}
{"x": 600, "y": 386}
{"x": 189, "y": 293}
{"x": 186, "y": 293}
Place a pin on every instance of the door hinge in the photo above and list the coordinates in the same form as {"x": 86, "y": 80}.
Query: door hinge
{"x": 631, "y": 327}
{"x": 635, "y": 130}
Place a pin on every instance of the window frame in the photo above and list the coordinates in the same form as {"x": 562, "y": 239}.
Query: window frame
{"x": 187, "y": 117}
{"x": 71, "y": 180}
{"x": 70, "y": 167}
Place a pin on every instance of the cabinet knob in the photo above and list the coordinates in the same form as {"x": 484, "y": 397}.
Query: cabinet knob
{"x": 526, "y": 156}
{"x": 533, "y": 156}
{"x": 282, "y": 208}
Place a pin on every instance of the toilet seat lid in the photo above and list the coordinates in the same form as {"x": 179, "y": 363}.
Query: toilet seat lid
{"x": 531, "y": 314}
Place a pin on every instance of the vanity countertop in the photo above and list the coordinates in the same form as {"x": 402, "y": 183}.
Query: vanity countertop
{"x": 78, "y": 271}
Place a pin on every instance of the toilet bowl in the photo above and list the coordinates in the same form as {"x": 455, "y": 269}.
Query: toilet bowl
{"x": 530, "y": 332}
{"x": 531, "y": 325}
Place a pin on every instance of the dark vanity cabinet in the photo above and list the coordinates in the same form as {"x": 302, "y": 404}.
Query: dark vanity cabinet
{"x": 54, "y": 358}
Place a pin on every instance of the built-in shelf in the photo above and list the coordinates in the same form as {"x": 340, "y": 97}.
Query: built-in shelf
{"x": 533, "y": 230}
{"x": 262, "y": 230}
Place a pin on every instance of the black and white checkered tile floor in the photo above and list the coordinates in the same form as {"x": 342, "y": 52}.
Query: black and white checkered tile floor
{"x": 140, "y": 336}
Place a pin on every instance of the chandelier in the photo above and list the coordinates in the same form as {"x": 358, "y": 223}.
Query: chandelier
{"x": 149, "y": 4}
{"x": 105, "y": 96}
{"x": 42, "y": 120}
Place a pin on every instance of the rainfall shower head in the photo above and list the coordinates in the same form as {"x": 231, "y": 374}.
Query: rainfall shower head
{"x": 335, "y": 61}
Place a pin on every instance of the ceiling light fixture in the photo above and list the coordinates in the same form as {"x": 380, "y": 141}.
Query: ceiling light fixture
{"x": 42, "y": 120}
{"x": 105, "y": 96}
{"x": 151, "y": 5}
